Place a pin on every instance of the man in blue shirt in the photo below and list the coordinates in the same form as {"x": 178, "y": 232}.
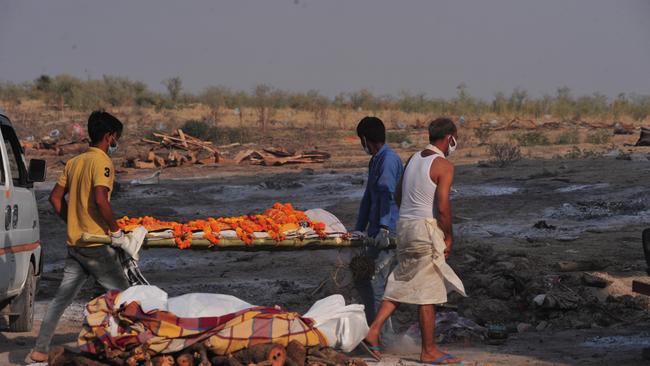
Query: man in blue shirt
{"x": 378, "y": 212}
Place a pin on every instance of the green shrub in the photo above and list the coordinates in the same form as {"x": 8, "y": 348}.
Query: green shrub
{"x": 568, "y": 138}
{"x": 199, "y": 129}
{"x": 503, "y": 155}
{"x": 218, "y": 135}
{"x": 483, "y": 134}
{"x": 531, "y": 138}
{"x": 599, "y": 137}
{"x": 576, "y": 153}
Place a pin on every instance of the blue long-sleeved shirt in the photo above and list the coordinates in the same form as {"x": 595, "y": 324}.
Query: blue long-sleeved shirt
{"x": 378, "y": 207}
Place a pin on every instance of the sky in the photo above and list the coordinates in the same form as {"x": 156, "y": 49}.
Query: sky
{"x": 336, "y": 45}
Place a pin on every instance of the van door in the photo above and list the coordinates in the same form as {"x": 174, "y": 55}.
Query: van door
{"x": 23, "y": 223}
{"x": 7, "y": 261}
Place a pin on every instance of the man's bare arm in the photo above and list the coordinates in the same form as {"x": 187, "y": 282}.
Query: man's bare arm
{"x": 58, "y": 202}
{"x": 104, "y": 206}
{"x": 445, "y": 178}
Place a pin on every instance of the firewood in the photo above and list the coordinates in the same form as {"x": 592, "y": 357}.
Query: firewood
{"x": 172, "y": 140}
{"x": 220, "y": 361}
{"x": 143, "y": 164}
{"x": 85, "y": 361}
{"x": 185, "y": 359}
{"x": 297, "y": 353}
{"x": 138, "y": 354}
{"x": 182, "y": 136}
{"x": 229, "y": 360}
{"x": 313, "y": 361}
{"x": 163, "y": 360}
{"x": 207, "y": 161}
{"x": 332, "y": 354}
{"x": 192, "y": 157}
{"x": 148, "y": 141}
{"x": 201, "y": 352}
{"x": 263, "y": 352}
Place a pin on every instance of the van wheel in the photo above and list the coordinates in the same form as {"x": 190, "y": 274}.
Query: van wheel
{"x": 24, "y": 305}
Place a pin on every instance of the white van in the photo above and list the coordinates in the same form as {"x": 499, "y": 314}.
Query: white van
{"x": 20, "y": 248}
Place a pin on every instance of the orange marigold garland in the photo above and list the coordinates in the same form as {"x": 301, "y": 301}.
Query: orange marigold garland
{"x": 275, "y": 221}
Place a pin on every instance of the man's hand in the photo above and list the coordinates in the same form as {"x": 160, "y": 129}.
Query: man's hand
{"x": 382, "y": 240}
{"x": 118, "y": 239}
{"x": 448, "y": 245}
{"x": 359, "y": 235}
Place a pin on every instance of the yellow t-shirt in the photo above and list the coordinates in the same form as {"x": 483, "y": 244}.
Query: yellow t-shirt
{"x": 81, "y": 175}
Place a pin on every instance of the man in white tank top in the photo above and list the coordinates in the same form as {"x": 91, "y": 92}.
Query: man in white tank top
{"x": 424, "y": 241}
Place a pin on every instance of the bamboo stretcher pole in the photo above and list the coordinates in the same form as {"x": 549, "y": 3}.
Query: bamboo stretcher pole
{"x": 238, "y": 244}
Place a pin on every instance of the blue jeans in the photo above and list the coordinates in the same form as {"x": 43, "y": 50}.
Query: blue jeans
{"x": 101, "y": 263}
{"x": 372, "y": 290}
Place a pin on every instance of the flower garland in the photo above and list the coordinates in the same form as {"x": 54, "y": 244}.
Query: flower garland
{"x": 275, "y": 221}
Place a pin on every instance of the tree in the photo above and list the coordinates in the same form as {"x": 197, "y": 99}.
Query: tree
{"x": 563, "y": 103}
{"x": 517, "y": 99}
{"x": 43, "y": 83}
{"x": 215, "y": 97}
{"x": 262, "y": 104}
{"x": 174, "y": 86}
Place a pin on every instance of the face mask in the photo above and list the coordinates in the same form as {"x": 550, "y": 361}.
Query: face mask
{"x": 452, "y": 148}
{"x": 112, "y": 148}
{"x": 365, "y": 146}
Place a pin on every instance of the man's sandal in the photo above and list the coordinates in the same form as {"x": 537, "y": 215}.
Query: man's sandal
{"x": 441, "y": 360}
{"x": 371, "y": 350}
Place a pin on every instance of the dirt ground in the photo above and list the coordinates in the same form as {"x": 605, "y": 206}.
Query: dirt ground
{"x": 594, "y": 209}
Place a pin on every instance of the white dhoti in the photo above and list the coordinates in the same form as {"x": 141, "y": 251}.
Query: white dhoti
{"x": 422, "y": 275}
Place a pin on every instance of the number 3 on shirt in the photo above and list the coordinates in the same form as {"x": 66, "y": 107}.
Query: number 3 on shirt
{"x": 107, "y": 172}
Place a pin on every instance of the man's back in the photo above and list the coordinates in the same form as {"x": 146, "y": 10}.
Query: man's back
{"x": 80, "y": 176}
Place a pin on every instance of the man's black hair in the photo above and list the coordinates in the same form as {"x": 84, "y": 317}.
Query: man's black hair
{"x": 372, "y": 128}
{"x": 441, "y": 127}
{"x": 100, "y": 123}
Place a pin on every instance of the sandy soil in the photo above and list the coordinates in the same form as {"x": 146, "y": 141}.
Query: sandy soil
{"x": 598, "y": 207}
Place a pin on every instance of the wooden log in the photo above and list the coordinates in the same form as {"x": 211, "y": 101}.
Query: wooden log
{"x": 296, "y": 353}
{"x": 80, "y": 360}
{"x": 583, "y": 265}
{"x": 202, "y": 351}
{"x": 163, "y": 360}
{"x": 149, "y": 141}
{"x": 171, "y": 140}
{"x": 258, "y": 353}
{"x": 182, "y": 136}
{"x": 143, "y": 164}
{"x": 185, "y": 359}
{"x": 332, "y": 355}
{"x": 229, "y": 360}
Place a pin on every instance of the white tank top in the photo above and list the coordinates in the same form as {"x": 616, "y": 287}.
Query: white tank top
{"x": 418, "y": 190}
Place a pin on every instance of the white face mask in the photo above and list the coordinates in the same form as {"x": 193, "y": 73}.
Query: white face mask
{"x": 365, "y": 146}
{"x": 112, "y": 148}
{"x": 452, "y": 148}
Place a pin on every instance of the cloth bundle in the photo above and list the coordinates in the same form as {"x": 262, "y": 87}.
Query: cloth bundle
{"x": 143, "y": 315}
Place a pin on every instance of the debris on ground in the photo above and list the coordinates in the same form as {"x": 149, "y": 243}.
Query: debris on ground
{"x": 176, "y": 149}
{"x": 279, "y": 156}
{"x": 53, "y": 144}
{"x": 623, "y": 129}
{"x": 265, "y": 354}
{"x": 507, "y": 288}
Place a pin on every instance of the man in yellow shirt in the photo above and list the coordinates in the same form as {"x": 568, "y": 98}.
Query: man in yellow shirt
{"x": 87, "y": 180}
